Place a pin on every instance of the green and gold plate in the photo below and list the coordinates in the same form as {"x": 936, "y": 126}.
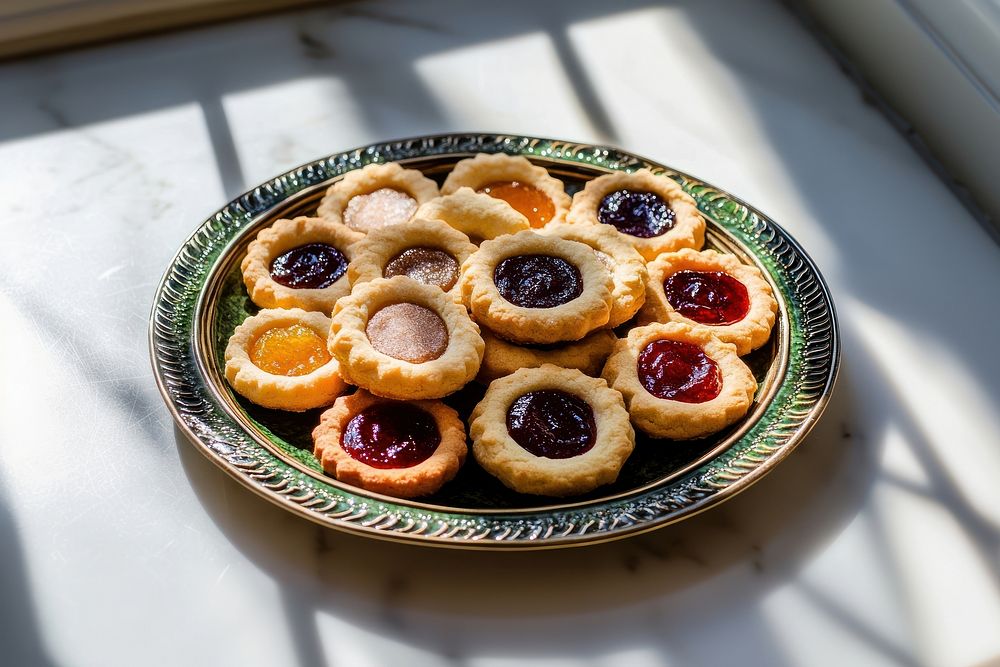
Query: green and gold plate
{"x": 201, "y": 300}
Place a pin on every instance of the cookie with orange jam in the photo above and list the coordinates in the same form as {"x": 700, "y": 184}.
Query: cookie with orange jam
{"x": 551, "y": 431}
{"x": 299, "y": 263}
{"x": 713, "y": 290}
{"x": 530, "y": 190}
{"x": 679, "y": 381}
{"x": 402, "y": 449}
{"x": 652, "y": 212}
{"x": 375, "y": 196}
{"x": 279, "y": 359}
{"x": 402, "y": 339}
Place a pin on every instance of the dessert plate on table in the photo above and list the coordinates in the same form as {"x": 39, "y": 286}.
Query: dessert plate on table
{"x": 202, "y": 299}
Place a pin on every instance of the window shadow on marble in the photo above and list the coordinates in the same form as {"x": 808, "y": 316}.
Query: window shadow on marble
{"x": 722, "y": 562}
{"x": 23, "y": 641}
{"x": 369, "y": 46}
{"x": 890, "y": 224}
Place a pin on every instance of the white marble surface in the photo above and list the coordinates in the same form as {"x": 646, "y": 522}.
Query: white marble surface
{"x": 877, "y": 543}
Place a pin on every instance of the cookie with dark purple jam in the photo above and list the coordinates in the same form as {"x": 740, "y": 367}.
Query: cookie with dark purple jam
{"x": 551, "y": 431}
{"x": 534, "y": 289}
{"x": 652, "y": 211}
{"x": 299, "y": 263}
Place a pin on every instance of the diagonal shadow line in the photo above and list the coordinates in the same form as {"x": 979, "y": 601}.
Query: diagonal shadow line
{"x": 223, "y": 145}
{"x": 138, "y": 85}
{"x": 990, "y": 531}
{"x": 91, "y": 360}
{"x": 851, "y": 623}
{"x": 23, "y": 640}
{"x": 984, "y": 536}
{"x": 302, "y": 625}
{"x": 584, "y": 89}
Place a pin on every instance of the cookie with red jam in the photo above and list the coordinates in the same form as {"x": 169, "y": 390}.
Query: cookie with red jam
{"x": 401, "y": 449}
{"x": 551, "y": 431}
{"x": 713, "y": 290}
{"x": 680, "y": 381}
{"x": 652, "y": 212}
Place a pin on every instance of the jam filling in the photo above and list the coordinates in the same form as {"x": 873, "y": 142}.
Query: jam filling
{"x": 642, "y": 214}
{"x": 408, "y": 332}
{"x": 381, "y": 208}
{"x": 707, "y": 297}
{"x": 678, "y": 371}
{"x": 310, "y": 266}
{"x": 290, "y": 351}
{"x": 391, "y": 435}
{"x": 552, "y": 424}
{"x": 526, "y": 199}
{"x": 537, "y": 281}
{"x": 425, "y": 265}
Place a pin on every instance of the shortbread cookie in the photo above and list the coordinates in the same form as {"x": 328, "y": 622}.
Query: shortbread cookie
{"x": 279, "y": 359}
{"x": 376, "y": 196}
{"x": 713, "y": 290}
{"x": 402, "y": 339}
{"x": 429, "y": 251}
{"x": 402, "y": 449}
{"x": 528, "y": 189}
{"x": 530, "y": 288}
{"x": 299, "y": 263}
{"x": 503, "y": 357}
{"x": 626, "y": 265}
{"x": 478, "y": 216}
{"x": 680, "y": 381}
{"x": 652, "y": 211}
{"x": 551, "y": 431}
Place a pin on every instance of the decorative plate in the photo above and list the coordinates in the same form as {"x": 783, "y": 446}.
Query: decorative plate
{"x": 201, "y": 299}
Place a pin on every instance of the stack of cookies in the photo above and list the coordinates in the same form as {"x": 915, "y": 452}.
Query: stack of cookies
{"x": 399, "y": 294}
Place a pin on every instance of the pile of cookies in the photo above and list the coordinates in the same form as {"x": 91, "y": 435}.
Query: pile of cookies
{"x": 399, "y": 293}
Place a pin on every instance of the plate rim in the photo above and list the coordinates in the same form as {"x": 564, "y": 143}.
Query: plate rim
{"x": 460, "y": 531}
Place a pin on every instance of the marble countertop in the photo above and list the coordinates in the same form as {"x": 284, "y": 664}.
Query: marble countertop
{"x": 876, "y": 543}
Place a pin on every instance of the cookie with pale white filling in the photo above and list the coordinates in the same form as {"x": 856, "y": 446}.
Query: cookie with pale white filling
{"x": 402, "y": 339}
{"x": 378, "y": 195}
